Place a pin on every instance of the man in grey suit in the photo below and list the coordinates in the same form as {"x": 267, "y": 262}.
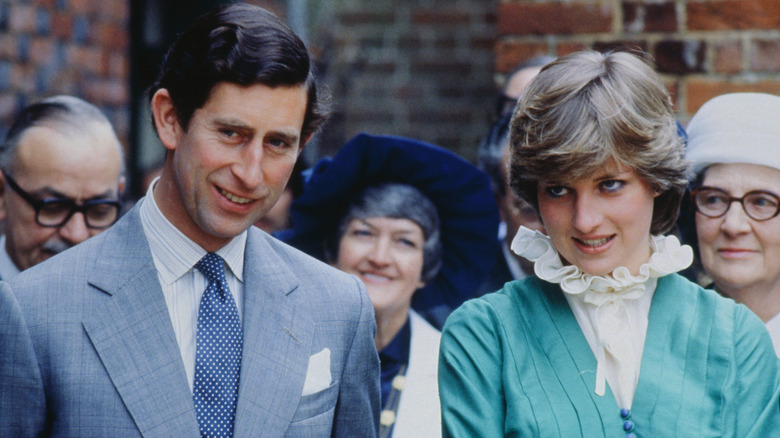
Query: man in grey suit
{"x": 112, "y": 337}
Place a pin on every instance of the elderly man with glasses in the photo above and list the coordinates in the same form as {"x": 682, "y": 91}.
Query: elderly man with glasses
{"x": 61, "y": 168}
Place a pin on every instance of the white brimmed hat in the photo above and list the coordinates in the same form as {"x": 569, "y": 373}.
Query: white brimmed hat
{"x": 735, "y": 128}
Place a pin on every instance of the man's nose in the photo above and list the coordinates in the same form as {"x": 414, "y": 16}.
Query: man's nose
{"x": 75, "y": 230}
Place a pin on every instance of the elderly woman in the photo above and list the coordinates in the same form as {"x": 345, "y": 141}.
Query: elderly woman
{"x": 412, "y": 221}
{"x": 734, "y": 146}
{"x": 605, "y": 339}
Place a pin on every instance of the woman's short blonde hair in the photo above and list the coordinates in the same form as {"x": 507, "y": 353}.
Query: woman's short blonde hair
{"x": 587, "y": 108}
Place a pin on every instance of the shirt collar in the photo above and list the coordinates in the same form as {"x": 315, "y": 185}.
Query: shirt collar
{"x": 176, "y": 254}
{"x": 7, "y": 267}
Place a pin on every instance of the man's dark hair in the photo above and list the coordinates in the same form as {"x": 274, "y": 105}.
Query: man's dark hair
{"x": 240, "y": 44}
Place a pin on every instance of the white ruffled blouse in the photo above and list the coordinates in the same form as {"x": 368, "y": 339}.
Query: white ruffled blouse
{"x": 611, "y": 310}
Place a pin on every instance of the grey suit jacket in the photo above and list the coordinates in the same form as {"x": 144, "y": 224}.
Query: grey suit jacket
{"x": 87, "y": 347}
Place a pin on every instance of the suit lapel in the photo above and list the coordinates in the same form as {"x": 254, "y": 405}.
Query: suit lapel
{"x": 277, "y": 342}
{"x": 134, "y": 337}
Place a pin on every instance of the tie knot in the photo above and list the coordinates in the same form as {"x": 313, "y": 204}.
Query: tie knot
{"x": 213, "y": 267}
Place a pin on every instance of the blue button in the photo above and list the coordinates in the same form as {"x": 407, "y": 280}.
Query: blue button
{"x": 628, "y": 426}
{"x": 625, "y": 413}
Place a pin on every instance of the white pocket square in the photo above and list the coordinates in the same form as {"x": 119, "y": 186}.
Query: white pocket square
{"x": 318, "y": 373}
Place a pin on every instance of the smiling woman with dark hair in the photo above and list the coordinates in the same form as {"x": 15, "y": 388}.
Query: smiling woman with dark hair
{"x": 606, "y": 339}
{"x": 416, "y": 224}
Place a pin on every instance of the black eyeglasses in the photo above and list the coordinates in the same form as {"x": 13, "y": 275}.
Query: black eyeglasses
{"x": 55, "y": 212}
{"x": 759, "y": 205}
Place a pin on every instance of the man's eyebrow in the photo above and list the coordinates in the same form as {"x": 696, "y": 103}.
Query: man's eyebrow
{"x": 230, "y": 123}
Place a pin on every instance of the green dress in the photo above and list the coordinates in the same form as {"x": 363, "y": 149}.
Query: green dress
{"x": 515, "y": 363}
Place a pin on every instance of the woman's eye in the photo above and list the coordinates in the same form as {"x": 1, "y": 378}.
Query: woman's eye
{"x": 408, "y": 243}
{"x": 556, "y": 191}
{"x": 612, "y": 185}
{"x": 361, "y": 232}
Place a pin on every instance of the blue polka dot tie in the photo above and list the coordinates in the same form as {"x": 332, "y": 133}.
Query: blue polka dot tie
{"x": 218, "y": 357}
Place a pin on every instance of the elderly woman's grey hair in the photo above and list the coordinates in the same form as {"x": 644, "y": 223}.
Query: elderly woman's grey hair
{"x": 396, "y": 201}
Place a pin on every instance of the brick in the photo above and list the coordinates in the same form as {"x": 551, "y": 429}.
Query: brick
{"x": 727, "y": 57}
{"x": 7, "y": 46}
{"x": 409, "y": 91}
{"x": 482, "y": 43}
{"x": 765, "y": 55}
{"x": 440, "y": 16}
{"x": 379, "y": 67}
{"x": 46, "y": 4}
{"x": 410, "y": 41}
{"x": 117, "y": 11}
{"x": 552, "y": 18}
{"x": 42, "y": 51}
{"x": 653, "y": 17}
{"x": 89, "y": 59}
{"x": 366, "y": 17}
{"x": 620, "y": 46}
{"x": 8, "y": 107}
{"x": 700, "y": 91}
{"x": 22, "y": 78}
{"x": 445, "y": 42}
{"x": 733, "y": 14}
{"x": 106, "y": 91}
{"x": 22, "y": 18}
{"x": 566, "y": 47}
{"x": 509, "y": 55}
{"x": 680, "y": 57}
{"x": 118, "y": 65}
{"x": 673, "y": 87}
{"x": 83, "y": 6}
{"x": 62, "y": 25}
{"x": 428, "y": 66}
{"x": 110, "y": 35}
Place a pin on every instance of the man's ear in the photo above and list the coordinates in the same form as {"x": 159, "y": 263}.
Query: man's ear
{"x": 305, "y": 141}
{"x": 165, "y": 119}
{"x": 3, "y": 189}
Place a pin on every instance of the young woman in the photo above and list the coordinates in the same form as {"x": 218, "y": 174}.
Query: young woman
{"x": 605, "y": 339}
{"x": 417, "y": 225}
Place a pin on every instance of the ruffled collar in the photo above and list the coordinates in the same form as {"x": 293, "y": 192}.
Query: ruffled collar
{"x": 668, "y": 256}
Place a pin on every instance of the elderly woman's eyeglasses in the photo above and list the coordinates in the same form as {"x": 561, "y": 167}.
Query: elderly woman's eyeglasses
{"x": 759, "y": 205}
{"x": 56, "y": 212}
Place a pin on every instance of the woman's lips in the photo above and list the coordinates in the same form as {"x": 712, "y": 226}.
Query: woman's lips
{"x": 375, "y": 278}
{"x": 594, "y": 245}
{"x": 735, "y": 252}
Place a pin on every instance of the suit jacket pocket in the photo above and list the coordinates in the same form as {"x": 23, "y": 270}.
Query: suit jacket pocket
{"x": 317, "y": 403}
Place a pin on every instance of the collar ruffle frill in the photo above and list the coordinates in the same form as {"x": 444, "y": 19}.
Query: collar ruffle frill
{"x": 608, "y": 293}
{"x": 668, "y": 256}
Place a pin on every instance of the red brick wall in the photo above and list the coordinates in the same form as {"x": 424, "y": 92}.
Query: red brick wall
{"x": 78, "y": 47}
{"x": 422, "y": 69}
{"x": 702, "y": 48}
